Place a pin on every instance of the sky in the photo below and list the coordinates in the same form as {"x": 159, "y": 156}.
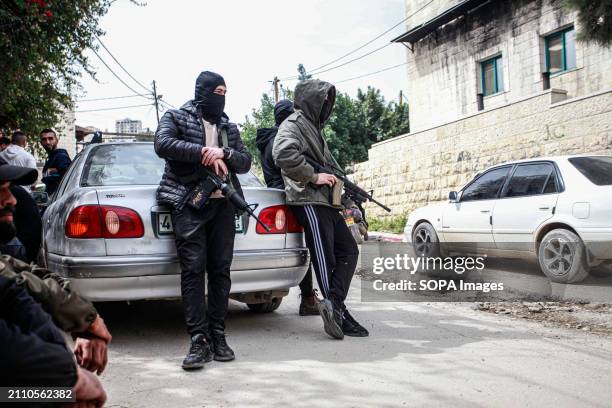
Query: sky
{"x": 248, "y": 42}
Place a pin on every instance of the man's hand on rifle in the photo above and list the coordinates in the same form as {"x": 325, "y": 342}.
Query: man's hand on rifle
{"x": 219, "y": 167}
{"x": 324, "y": 178}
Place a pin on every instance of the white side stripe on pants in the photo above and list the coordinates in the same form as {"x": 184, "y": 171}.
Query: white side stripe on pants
{"x": 320, "y": 254}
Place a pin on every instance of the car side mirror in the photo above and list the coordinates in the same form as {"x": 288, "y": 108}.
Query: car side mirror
{"x": 40, "y": 197}
{"x": 452, "y": 197}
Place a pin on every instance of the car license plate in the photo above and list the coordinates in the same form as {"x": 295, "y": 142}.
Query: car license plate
{"x": 349, "y": 221}
{"x": 164, "y": 224}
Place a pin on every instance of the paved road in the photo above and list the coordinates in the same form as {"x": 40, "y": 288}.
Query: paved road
{"x": 418, "y": 355}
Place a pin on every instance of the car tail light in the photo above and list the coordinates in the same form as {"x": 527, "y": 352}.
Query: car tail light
{"x": 279, "y": 219}
{"x": 104, "y": 221}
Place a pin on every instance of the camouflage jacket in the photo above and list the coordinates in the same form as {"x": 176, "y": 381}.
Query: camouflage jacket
{"x": 69, "y": 311}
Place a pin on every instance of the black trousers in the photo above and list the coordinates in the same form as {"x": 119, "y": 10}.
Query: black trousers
{"x": 333, "y": 250}
{"x": 205, "y": 242}
{"x": 306, "y": 283}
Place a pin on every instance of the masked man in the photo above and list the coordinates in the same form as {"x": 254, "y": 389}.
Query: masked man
{"x": 200, "y": 134}
{"x": 274, "y": 179}
{"x": 315, "y": 200}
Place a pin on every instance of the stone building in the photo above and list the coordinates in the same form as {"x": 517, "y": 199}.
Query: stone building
{"x": 128, "y": 125}
{"x": 489, "y": 81}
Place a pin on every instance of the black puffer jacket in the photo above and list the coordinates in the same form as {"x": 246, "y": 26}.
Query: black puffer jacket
{"x": 179, "y": 139}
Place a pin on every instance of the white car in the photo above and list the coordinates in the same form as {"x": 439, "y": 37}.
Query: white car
{"x": 558, "y": 209}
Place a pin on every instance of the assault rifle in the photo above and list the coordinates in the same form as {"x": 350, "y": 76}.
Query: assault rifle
{"x": 356, "y": 193}
{"x": 207, "y": 182}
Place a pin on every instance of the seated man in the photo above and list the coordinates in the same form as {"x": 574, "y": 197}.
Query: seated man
{"x": 69, "y": 311}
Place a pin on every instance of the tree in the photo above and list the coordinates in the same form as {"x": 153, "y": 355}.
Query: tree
{"x": 302, "y": 75}
{"x": 262, "y": 117}
{"x": 354, "y": 125}
{"x": 595, "y": 18}
{"x": 42, "y": 44}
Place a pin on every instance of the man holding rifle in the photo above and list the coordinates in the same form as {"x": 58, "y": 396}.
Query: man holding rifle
{"x": 315, "y": 200}
{"x": 199, "y": 134}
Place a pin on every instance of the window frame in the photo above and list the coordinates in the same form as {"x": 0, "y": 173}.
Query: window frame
{"x": 479, "y": 176}
{"x": 496, "y": 86}
{"x": 555, "y": 174}
{"x": 547, "y": 39}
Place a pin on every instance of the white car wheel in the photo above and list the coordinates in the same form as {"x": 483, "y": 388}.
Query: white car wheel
{"x": 425, "y": 240}
{"x": 562, "y": 257}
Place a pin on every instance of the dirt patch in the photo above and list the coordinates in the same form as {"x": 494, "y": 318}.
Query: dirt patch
{"x": 588, "y": 317}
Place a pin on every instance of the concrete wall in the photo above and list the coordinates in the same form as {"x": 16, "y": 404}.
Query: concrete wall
{"x": 444, "y": 68}
{"x": 422, "y": 167}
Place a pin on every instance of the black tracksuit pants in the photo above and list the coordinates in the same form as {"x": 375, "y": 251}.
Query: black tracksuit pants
{"x": 205, "y": 242}
{"x": 332, "y": 248}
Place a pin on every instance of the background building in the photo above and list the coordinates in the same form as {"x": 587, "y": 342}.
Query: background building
{"x": 128, "y": 126}
{"x": 488, "y": 82}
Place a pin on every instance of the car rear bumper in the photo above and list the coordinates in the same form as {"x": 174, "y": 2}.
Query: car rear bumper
{"x": 114, "y": 278}
{"x": 598, "y": 241}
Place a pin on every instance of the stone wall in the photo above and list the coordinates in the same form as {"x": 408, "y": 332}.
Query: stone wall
{"x": 444, "y": 68}
{"x": 412, "y": 170}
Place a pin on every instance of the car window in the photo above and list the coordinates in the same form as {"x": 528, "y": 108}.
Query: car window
{"x": 598, "y": 169}
{"x": 114, "y": 165}
{"x": 68, "y": 176}
{"x": 530, "y": 179}
{"x": 249, "y": 180}
{"x": 486, "y": 186}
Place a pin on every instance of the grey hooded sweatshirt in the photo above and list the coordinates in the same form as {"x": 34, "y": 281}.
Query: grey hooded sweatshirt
{"x": 300, "y": 135}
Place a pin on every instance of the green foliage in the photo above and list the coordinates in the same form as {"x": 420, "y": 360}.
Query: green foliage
{"x": 394, "y": 225}
{"x": 302, "y": 75}
{"x": 262, "y": 117}
{"x": 42, "y": 44}
{"x": 595, "y": 19}
{"x": 354, "y": 125}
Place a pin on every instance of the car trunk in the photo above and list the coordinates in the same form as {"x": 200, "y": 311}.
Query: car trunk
{"x": 158, "y": 238}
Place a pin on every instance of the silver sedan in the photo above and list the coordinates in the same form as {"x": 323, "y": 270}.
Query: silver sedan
{"x": 105, "y": 232}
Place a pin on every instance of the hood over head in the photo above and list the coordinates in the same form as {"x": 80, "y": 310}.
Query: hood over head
{"x": 282, "y": 110}
{"x": 265, "y": 136}
{"x": 209, "y": 104}
{"x": 316, "y": 99}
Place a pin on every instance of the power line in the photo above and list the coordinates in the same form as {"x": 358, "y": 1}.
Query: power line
{"x": 115, "y": 108}
{"x": 121, "y": 66}
{"x": 371, "y": 73}
{"x": 113, "y": 97}
{"x": 360, "y": 47}
{"x": 353, "y": 60}
{"x": 113, "y": 72}
{"x": 167, "y": 104}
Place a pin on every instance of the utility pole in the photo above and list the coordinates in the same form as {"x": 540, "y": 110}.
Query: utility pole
{"x": 275, "y": 82}
{"x": 401, "y": 98}
{"x": 156, "y": 101}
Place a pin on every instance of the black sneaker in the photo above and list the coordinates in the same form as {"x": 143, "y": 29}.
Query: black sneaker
{"x": 350, "y": 326}
{"x": 332, "y": 319}
{"x": 199, "y": 353}
{"x": 221, "y": 349}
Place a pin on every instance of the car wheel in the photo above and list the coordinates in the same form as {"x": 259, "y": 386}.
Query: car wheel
{"x": 266, "y": 307}
{"x": 425, "y": 241}
{"x": 562, "y": 257}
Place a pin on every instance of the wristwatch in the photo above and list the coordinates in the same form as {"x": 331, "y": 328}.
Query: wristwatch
{"x": 227, "y": 152}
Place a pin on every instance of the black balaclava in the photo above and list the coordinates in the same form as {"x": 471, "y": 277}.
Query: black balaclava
{"x": 209, "y": 104}
{"x": 282, "y": 110}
